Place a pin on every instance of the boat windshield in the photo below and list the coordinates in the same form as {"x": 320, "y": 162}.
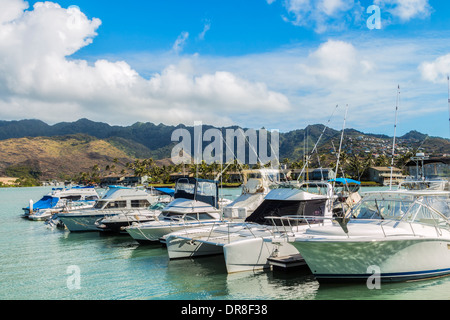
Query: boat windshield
{"x": 382, "y": 207}
{"x": 100, "y": 204}
{"x": 158, "y": 206}
{"x": 197, "y": 189}
{"x": 431, "y": 211}
{"x": 143, "y": 203}
{"x": 424, "y": 209}
{"x": 315, "y": 188}
{"x": 104, "y": 204}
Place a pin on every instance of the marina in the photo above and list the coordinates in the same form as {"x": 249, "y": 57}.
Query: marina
{"x": 204, "y": 151}
{"x": 36, "y": 264}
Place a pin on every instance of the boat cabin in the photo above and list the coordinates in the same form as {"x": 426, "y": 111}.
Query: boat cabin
{"x": 311, "y": 199}
{"x": 202, "y": 190}
{"x": 123, "y": 198}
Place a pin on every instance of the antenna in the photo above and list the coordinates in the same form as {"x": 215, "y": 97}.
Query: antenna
{"x": 315, "y": 146}
{"x": 448, "y": 82}
{"x": 395, "y": 133}
{"x": 340, "y": 144}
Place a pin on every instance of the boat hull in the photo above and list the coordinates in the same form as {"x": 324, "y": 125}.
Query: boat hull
{"x": 118, "y": 226}
{"x": 155, "y": 233}
{"x": 179, "y": 248}
{"x": 81, "y": 223}
{"x": 390, "y": 260}
{"x": 252, "y": 254}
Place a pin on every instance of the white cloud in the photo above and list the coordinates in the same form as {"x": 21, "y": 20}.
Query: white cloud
{"x": 206, "y": 28}
{"x": 284, "y": 89}
{"x": 437, "y": 70}
{"x": 337, "y": 61}
{"x": 322, "y": 15}
{"x": 11, "y": 10}
{"x": 180, "y": 42}
{"x": 406, "y": 10}
{"x": 326, "y": 15}
{"x": 39, "y": 79}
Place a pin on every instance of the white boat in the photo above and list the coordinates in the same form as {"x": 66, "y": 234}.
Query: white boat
{"x": 118, "y": 223}
{"x": 117, "y": 200}
{"x": 256, "y": 185}
{"x": 195, "y": 204}
{"x": 393, "y": 235}
{"x": 247, "y": 246}
{"x": 60, "y": 199}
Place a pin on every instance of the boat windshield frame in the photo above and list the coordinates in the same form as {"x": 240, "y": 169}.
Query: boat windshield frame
{"x": 308, "y": 186}
{"x": 198, "y": 189}
{"x": 406, "y": 207}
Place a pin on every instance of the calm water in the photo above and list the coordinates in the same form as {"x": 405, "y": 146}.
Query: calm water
{"x": 35, "y": 260}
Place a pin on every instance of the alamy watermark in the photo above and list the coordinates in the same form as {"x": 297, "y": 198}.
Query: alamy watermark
{"x": 374, "y": 21}
{"x": 73, "y": 281}
{"x": 374, "y": 281}
{"x": 212, "y": 146}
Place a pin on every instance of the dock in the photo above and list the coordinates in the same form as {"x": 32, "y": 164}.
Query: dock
{"x": 290, "y": 261}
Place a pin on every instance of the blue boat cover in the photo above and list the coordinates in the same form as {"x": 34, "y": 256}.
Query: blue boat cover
{"x": 345, "y": 181}
{"x": 46, "y": 202}
{"x": 168, "y": 191}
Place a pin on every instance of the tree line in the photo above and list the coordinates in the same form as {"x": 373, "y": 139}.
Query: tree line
{"x": 350, "y": 166}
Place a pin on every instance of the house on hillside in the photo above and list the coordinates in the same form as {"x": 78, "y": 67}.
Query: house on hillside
{"x": 118, "y": 180}
{"x": 382, "y": 175}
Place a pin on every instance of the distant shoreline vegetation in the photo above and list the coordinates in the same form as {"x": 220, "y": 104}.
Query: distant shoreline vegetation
{"x": 87, "y": 151}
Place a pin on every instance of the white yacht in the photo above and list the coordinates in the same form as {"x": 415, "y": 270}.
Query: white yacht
{"x": 117, "y": 200}
{"x": 195, "y": 204}
{"x": 256, "y": 185}
{"x": 247, "y": 246}
{"x": 118, "y": 223}
{"x": 60, "y": 199}
{"x": 394, "y": 235}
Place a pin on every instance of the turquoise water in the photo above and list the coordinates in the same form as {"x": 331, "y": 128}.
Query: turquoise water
{"x": 37, "y": 262}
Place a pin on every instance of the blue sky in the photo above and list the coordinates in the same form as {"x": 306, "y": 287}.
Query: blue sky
{"x": 279, "y": 64}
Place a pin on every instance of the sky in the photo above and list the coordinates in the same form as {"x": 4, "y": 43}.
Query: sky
{"x": 277, "y": 64}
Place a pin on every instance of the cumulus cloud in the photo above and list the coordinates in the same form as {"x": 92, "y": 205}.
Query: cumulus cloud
{"x": 322, "y": 15}
{"x": 38, "y": 77}
{"x": 337, "y": 61}
{"x": 406, "y": 10}
{"x": 437, "y": 70}
{"x": 326, "y": 15}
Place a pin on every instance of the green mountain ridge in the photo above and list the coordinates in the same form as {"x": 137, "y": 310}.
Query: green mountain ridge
{"x": 147, "y": 140}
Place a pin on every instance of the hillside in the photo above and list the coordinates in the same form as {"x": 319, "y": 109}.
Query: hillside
{"x": 68, "y": 148}
{"x": 57, "y": 157}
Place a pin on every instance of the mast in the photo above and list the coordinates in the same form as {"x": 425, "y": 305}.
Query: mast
{"x": 448, "y": 82}
{"x": 395, "y": 132}
{"x": 340, "y": 145}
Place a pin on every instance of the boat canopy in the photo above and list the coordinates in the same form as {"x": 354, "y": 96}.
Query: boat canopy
{"x": 167, "y": 191}
{"x": 198, "y": 189}
{"x": 279, "y": 208}
{"x": 345, "y": 181}
{"x": 47, "y": 202}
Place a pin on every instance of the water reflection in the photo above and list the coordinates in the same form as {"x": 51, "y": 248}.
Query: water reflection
{"x": 434, "y": 289}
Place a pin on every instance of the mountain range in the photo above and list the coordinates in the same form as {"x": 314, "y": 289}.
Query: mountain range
{"x": 71, "y": 147}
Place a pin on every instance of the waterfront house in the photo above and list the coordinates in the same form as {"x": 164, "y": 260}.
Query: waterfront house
{"x": 382, "y": 175}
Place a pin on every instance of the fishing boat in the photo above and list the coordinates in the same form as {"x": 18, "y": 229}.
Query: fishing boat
{"x": 393, "y": 235}
{"x": 118, "y": 222}
{"x": 256, "y": 185}
{"x": 246, "y": 245}
{"x": 60, "y": 199}
{"x": 117, "y": 200}
{"x": 195, "y": 204}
